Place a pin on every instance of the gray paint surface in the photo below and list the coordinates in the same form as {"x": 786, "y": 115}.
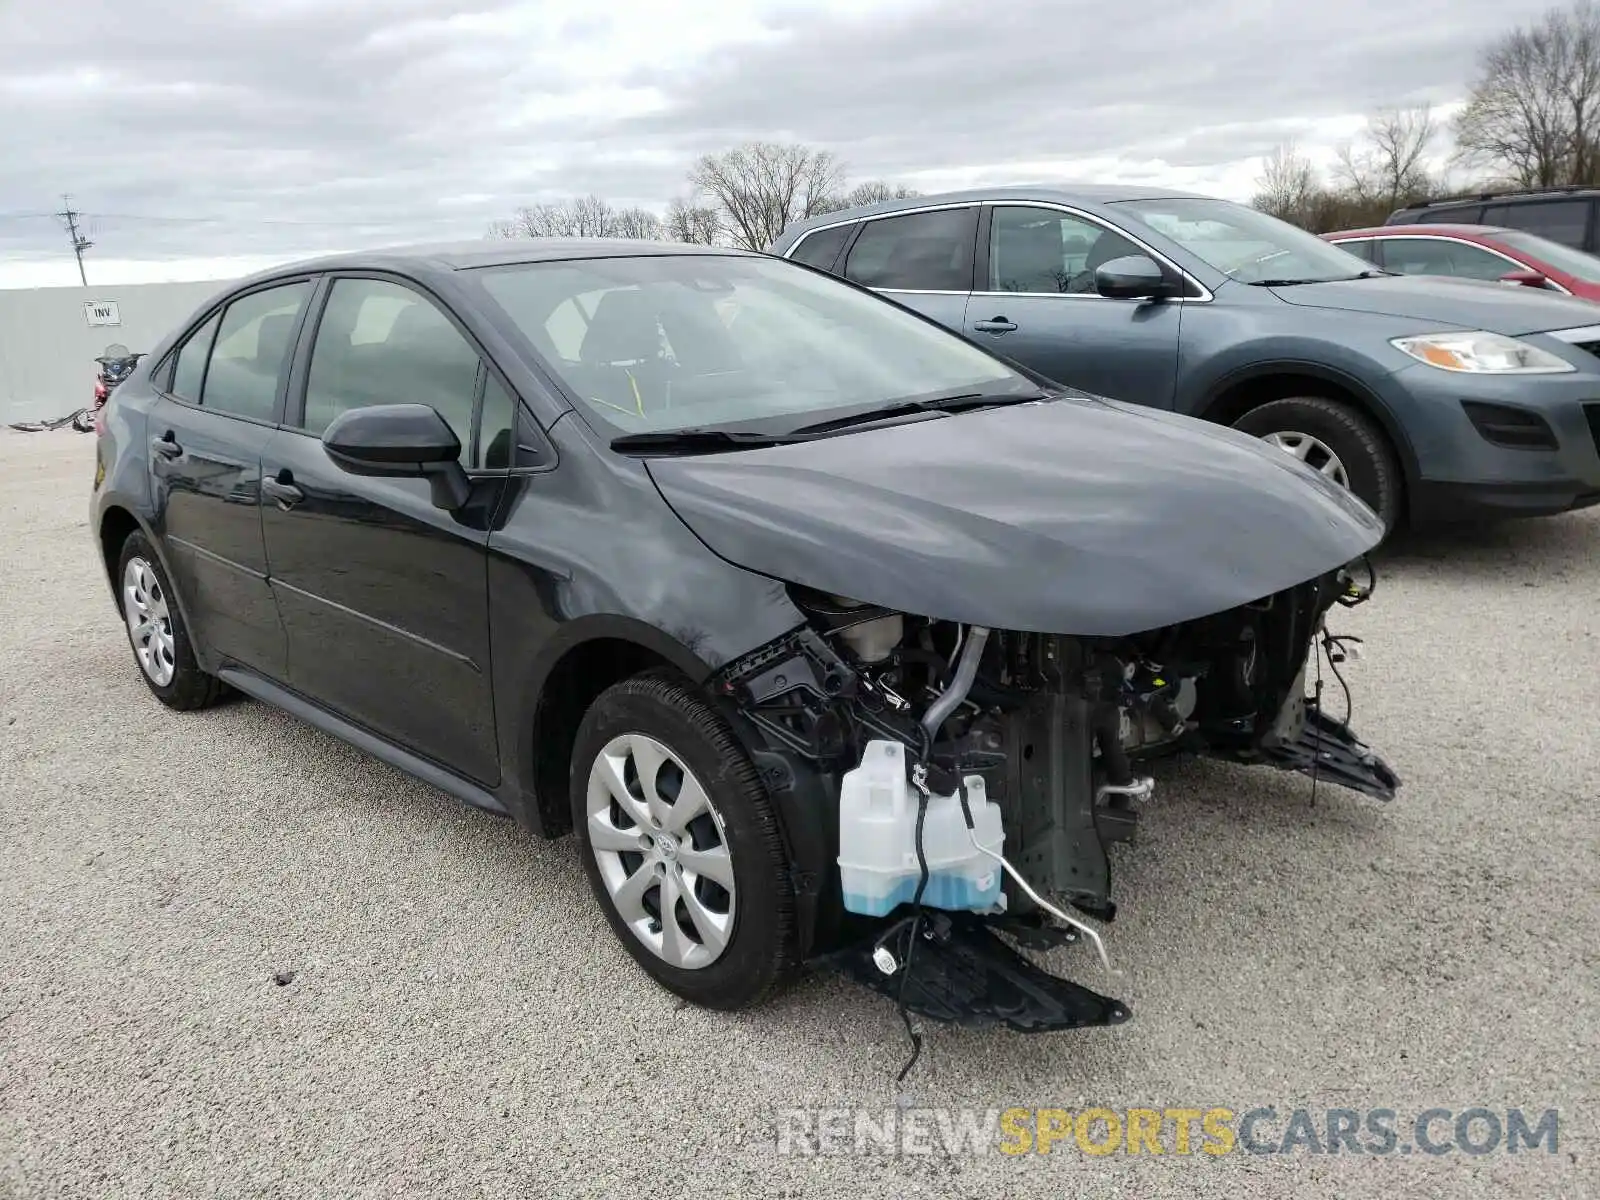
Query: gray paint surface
{"x": 48, "y": 347}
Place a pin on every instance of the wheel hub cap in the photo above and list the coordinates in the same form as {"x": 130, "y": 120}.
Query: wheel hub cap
{"x": 144, "y": 605}
{"x": 662, "y": 851}
{"x": 1312, "y": 451}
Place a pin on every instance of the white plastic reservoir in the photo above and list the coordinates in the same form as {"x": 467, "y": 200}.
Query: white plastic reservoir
{"x": 878, "y": 840}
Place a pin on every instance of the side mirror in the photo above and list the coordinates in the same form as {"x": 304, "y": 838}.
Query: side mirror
{"x": 397, "y": 440}
{"x": 1533, "y": 279}
{"x": 1133, "y": 277}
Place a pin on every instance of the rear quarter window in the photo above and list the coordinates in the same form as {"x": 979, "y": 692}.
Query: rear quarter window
{"x": 821, "y": 248}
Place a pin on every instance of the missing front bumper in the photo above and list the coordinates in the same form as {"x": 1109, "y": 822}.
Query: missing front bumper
{"x": 959, "y": 971}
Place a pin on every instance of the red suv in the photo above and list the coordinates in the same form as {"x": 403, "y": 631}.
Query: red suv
{"x": 1476, "y": 252}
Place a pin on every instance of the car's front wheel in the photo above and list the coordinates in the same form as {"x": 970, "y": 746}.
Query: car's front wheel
{"x": 681, "y": 843}
{"x": 1339, "y": 441}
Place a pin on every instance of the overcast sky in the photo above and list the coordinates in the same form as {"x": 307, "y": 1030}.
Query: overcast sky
{"x": 245, "y": 133}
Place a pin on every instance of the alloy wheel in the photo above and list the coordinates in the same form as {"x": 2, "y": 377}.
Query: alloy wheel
{"x": 662, "y": 851}
{"x": 144, "y": 604}
{"x": 1312, "y": 451}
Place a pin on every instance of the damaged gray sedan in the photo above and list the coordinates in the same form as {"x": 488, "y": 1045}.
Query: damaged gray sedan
{"x": 833, "y": 637}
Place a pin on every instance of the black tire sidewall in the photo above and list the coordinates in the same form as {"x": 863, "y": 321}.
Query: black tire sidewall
{"x": 759, "y": 953}
{"x": 190, "y": 687}
{"x": 1368, "y": 464}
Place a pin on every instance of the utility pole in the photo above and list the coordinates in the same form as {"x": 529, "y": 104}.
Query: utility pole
{"x": 80, "y": 243}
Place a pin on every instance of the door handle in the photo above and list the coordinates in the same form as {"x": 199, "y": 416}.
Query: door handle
{"x": 994, "y": 325}
{"x": 166, "y": 445}
{"x": 282, "y": 489}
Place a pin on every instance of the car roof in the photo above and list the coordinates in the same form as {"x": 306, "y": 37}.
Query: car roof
{"x": 491, "y": 252}
{"x": 1061, "y": 193}
{"x": 1432, "y": 227}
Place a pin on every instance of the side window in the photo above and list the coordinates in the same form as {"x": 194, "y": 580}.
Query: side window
{"x": 496, "y": 425}
{"x": 381, "y": 343}
{"x": 1450, "y": 216}
{"x": 252, "y": 350}
{"x": 1038, "y": 250}
{"x": 1435, "y": 256}
{"x": 1564, "y": 221}
{"x": 190, "y": 367}
{"x": 929, "y": 251}
{"x": 819, "y": 249}
{"x": 1361, "y": 247}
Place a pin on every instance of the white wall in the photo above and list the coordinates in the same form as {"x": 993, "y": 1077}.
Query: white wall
{"x": 48, "y": 347}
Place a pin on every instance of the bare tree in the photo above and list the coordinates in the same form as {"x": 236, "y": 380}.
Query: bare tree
{"x": 689, "y": 222}
{"x": 1388, "y": 165}
{"x": 1534, "y": 110}
{"x": 876, "y": 191}
{"x": 638, "y": 223}
{"x": 1288, "y": 184}
{"x": 582, "y": 216}
{"x": 761, "y": 187}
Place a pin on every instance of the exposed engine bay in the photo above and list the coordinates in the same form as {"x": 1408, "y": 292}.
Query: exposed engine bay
{"x": 1052, "y": 730}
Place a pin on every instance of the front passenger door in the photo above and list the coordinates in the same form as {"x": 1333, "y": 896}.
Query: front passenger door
{"x": 1039, "y": 305}
{"x": 383, "y": 595}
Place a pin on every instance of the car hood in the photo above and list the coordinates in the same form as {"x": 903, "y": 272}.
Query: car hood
{"x": 1071, "y": 516}
{"x": 1462, "y": 303}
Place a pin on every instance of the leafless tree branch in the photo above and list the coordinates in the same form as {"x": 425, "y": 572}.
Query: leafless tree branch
{"x": 761, "y": 187}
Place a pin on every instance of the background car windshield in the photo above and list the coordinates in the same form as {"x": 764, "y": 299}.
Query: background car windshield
{"x": 657, "y": 343}
{"x": 1563, "y": 258}
{"x": 1244, "y": 244}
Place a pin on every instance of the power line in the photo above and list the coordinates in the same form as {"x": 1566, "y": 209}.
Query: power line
{"x": 238, "y": 221}
{"x": 80, "y": 243}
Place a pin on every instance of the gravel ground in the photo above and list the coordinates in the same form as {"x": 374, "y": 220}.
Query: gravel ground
{"x": 450, "y": 1015}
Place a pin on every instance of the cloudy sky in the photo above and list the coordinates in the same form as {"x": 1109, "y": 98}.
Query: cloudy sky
{"x": 241, "y": 133}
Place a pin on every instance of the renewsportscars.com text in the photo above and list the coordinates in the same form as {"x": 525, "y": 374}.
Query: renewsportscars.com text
{"x": 1180, "y": 1131}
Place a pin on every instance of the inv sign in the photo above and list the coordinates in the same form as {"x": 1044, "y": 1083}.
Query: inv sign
{"x": 102, "y": 312}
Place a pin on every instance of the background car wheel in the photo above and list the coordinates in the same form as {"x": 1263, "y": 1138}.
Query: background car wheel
{"x": 681, "y": 843}
{"x": 1337, "y": 440}
{"x": 155, "y": 630}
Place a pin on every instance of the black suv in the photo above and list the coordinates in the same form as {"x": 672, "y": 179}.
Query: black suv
{"x": 1564, "y": 215}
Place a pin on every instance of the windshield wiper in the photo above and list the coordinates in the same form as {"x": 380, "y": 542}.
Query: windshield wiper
{"x": 695, "y": 441}
{"x": 965, "y": 402}
{"x": 1296, "y": 282}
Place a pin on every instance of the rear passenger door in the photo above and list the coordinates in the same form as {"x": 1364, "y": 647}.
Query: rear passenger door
{"x": 221, "y": 394}
{"x": 922, "y": 259}
{"x": 384, "y": 595}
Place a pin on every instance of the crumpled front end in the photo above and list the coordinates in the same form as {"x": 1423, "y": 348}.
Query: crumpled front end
{"x": 980, "y": 774}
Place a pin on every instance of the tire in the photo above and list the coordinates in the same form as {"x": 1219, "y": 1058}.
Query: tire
{"x": 164, "y": 655}
{"x": 632, "y": 724}
{"x": 1361, "y": 447}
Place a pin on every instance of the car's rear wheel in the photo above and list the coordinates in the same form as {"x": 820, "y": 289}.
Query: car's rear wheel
{"x": 161, "y": 645}
{"x": 1339, "y": 441}
{"x": 681, "y": 843}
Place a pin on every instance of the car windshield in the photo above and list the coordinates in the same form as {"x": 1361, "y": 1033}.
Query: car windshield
{"x": 1245, "y": 244}
{"x": 657, "y": 343}
{"x": 1563, "y": 258}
